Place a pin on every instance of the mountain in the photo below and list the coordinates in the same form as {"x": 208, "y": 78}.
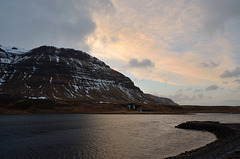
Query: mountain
{"x": 62, "y": 74}
{"x": 163, "y": 101}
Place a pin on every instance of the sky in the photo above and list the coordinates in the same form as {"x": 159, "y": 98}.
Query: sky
{"x": 186, "y": 50}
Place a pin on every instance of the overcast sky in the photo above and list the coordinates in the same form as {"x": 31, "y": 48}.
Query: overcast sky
{"x": 187, "y": 50}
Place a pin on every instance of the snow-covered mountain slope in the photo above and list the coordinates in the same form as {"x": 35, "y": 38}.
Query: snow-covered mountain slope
{"x": 9, "y": 53}
{"x": 64, "y": 74}
{"x": 11, "y": 49}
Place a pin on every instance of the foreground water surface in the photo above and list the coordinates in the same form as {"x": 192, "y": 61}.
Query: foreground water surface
{"x": 78, "y": 136}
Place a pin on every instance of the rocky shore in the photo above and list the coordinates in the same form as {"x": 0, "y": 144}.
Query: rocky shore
{"x": 226, "y": 146}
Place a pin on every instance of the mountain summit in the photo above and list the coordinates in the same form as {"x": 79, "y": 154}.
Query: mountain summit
{"x": 64, "y": 74}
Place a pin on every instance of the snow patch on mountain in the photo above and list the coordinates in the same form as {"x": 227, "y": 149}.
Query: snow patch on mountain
{"x": 16, "y": 50}
{"x": 64, "y": 74}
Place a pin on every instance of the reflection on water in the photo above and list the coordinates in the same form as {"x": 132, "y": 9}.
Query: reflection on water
{"x": 101, "y": 136}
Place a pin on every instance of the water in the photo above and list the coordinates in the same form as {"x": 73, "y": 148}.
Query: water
{"x": 79, "y": 136}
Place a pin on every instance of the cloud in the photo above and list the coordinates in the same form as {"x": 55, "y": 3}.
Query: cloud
{"x": 181, "y": 97}
{"x": 197, "y": 90}
{"x": 145, "y": 63}
{"x": 115, "y": 39}
{"x": 231, "y": 102}
{"x": 235, "y": 90}
{"x": 61, "y": 23}
{"x": 212, "y": 88}
{"x": 217, "y": 13}
{"x": 200, "y": 95}
{"x": 105, "y": 40}
{"x": 209, "y": 65}
{"x": 189, "y": 89}
{"x": 237, "y": 81}
{"x": 233, "y": 73}
{"x": 184, "y": 54}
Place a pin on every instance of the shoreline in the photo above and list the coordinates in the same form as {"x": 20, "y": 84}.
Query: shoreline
{"x": 26, "y": 106}
{"x": 226, "y": 145}
{"x": 15, "y": 106}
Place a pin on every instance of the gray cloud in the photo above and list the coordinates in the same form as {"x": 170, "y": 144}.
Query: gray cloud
{"x": 106, "y": 39}
{"x": 231, "y": 102}
{"x": 212, "y": 88}
{"x": 237, "y": 89}
{"x": 115, "y": 39}
{"x": 28, "y": 23}
{"x": 200, "y": 95}
{"x": 145, "y": 63}
{"x": 237, "y": 81}
{"x": 217, "y": 13}
{"x": 197, "y": 90}
{"x": 188, "y": 89}
{"x": 233, "y": 73}
{"x": 181, "y": 97}
{"x": 209, "y": 65}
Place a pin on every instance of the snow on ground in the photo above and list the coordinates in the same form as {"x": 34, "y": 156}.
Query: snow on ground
{"x": 37, "y": 97}
{"x": 2, "y": 60}
{"x": 2, "y": 80}
{"x": 11, "y": 49}
{"x": 50, "y": 80}
{"x": 57, "y": 58}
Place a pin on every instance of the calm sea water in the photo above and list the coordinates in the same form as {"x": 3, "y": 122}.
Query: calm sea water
{"x": 78, "y": 136}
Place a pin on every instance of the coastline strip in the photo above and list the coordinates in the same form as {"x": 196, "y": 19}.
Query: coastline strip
{"x": 226, "y": 145}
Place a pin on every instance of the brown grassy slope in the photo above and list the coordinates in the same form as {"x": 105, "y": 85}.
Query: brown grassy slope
{"x": 16, "y": 105}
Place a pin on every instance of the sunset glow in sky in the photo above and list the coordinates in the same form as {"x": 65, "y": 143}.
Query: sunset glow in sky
{"x": 186, "y": 50}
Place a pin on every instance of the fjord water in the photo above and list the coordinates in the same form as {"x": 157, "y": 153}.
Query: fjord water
{"x": 78, "y": 136}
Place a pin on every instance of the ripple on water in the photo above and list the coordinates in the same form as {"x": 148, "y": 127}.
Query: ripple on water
{"x": 101, "y": 136}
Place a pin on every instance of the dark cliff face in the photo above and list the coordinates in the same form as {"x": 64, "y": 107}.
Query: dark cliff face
{"x": 54, "y": 73}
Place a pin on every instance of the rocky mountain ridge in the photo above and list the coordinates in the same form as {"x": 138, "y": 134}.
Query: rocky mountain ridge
{"x": 63, "y": 74}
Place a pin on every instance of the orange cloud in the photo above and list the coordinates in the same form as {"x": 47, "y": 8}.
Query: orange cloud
{"x": 168, "y": 35}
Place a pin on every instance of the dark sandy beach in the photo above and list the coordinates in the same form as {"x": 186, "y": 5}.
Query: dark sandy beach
{"x": 226, "y": 146}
